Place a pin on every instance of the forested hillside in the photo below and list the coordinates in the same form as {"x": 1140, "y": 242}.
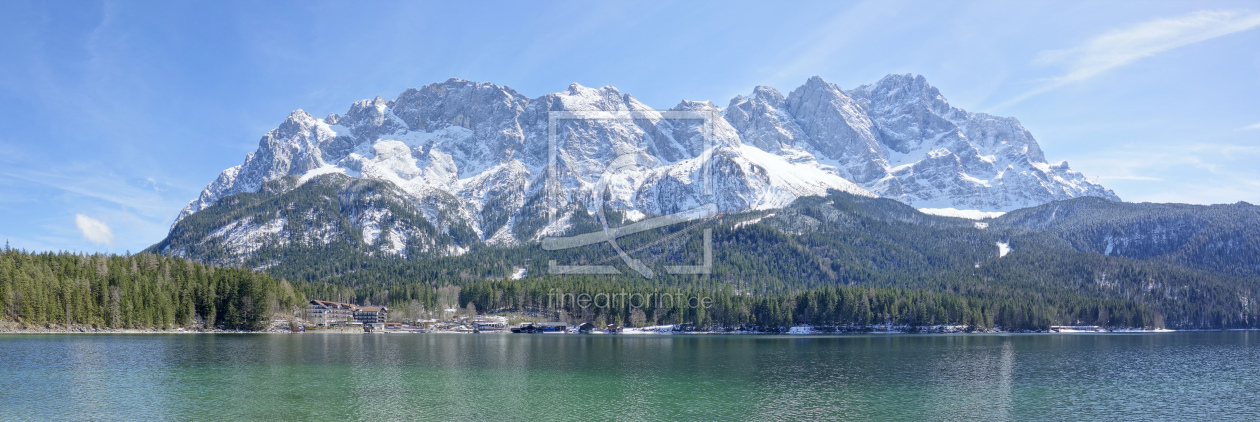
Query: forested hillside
{"x": 838, "y": 260}
{"x": 910, "y": 268}
{"x": 1220, "y": 238}
{"x": 144, "y": 291}
{"x": 260, "y": 229}
{"x": 839, "y": 307}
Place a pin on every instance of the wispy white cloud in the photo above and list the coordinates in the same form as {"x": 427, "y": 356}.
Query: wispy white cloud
{"x": 139, "y": 212}
{"x": 1121, "y": 47}
{"x": 1199, "y": 173}
{"x": 1255, "y": 126}
{"x": 1223, "y": 149}
{"x": 1134, "y": 178}
{"x": 1142, "y": 163}
{"x": 153, "y": 183}
{"x": 106, "y": 187}
{"x": 95, "y": 231}
{"x": 853, "y": 26}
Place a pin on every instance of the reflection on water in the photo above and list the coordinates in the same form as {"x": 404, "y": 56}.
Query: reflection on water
{"x": 361, "y": 377}
{"x": 1006, "y": 372}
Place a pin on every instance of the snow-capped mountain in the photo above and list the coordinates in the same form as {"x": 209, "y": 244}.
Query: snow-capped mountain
{"x": 461, "y": 154}
{"x": 901, "y": 139}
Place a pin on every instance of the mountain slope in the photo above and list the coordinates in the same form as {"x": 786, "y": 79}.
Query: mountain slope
{"x": 1220, "y": 238}
{"x": 332, "y": 211}
{"x": 901, "y": 139}
{"x": 477, "y": 155}
{"x": 837, "y": 240}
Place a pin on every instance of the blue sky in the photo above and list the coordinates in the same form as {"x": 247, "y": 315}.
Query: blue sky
{"x": 114, "y": 115}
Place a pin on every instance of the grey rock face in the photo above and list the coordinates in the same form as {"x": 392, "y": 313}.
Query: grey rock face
{"x": 901, "y": 139}
{"x": 476, "y": 155}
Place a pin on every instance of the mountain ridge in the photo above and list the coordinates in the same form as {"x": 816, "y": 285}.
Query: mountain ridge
{"x": 476, "y": 154}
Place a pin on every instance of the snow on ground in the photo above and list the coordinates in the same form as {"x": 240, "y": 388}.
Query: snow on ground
{"x": 242, "y": 237}
{"x": 520, "y": 273}
{"x": 1003, "y": 249}
{"x": 801, "y": 329}
{"x": 655, "y": 329}
{"x": 319, "y": 171}
{"x": 634, "y": 215}
{"x": 371, "y": 230}
{"x": 799, "y": 179}
{"x": 556, "y": 228}
{"x": 752, "y": 221}
{"x": 455, "y": 250}
{"x": 968, "y": 214}
{"x": 397, "y": 243}
{"x": 504, "y": 237}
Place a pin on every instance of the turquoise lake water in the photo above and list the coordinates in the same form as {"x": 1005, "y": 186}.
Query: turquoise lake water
{"x": 1161, "y": 376}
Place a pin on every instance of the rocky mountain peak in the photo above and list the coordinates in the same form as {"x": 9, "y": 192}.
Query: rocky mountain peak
{"x": 297, "y": 120}
{"x": 689, "y": 105}
{"x": 904, "y": 89}
{"x": 816, "y": 82}
{"x": 768, "y": 94}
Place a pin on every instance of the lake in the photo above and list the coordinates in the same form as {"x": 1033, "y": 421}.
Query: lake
{"x": 1167, "y": 376}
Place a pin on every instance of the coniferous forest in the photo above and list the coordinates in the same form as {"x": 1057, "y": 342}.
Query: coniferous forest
{"x": 837, "y": 261}
{"x": 148, "y": 291}
{"x": 144, "y": 291}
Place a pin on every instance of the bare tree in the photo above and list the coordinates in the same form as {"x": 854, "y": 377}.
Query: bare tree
{"x": 637, "y": 317}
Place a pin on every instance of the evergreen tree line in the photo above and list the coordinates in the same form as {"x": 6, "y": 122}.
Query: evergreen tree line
{"x": 143, "y": 291}
{"x": 767, "y": 260}
{"x": 814, "y": 248}
{"x": 152, "y": 291}
{"x": 1222, "y": 238}
{"x": 618, "y": 301}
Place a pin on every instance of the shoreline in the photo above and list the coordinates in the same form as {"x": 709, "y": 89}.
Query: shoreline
{"x": 124, "y": 331}
{"x": 633, "y": 334}
{"x": 797, "y": 331}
